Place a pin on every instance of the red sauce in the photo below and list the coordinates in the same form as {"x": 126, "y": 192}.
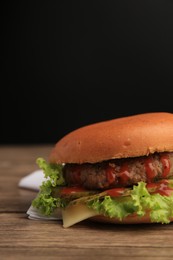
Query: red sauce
{"x": 115, "y": 192}
{"x": 150, "y": 171}
{"x": 166, "y": 165}
{"x": 71, "y": 190}
{"x": 124, "y": 174}
{"x": 110, "y": 174}
{"x": 76, "y": 173}
{"x": 161, "y": 187}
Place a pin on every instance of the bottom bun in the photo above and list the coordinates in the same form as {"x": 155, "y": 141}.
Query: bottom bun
{"x": 131, "y": 219}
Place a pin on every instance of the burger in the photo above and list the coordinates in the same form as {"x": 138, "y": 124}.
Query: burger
{"x": 117, "y": 171}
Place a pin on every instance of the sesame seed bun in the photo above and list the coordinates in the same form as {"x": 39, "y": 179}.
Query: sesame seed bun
{"x": 131, "y": 136}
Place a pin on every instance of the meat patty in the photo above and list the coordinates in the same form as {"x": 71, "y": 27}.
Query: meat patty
{"x": 120, "y": 172}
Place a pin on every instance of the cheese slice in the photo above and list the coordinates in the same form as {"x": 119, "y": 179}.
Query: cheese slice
{"x": 76, "y": 213}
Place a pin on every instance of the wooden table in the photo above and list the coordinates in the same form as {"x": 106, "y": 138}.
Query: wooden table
{"x": 21, "y": 238}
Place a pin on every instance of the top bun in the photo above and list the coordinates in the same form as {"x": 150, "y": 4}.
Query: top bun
{"x": 131, "y": 136}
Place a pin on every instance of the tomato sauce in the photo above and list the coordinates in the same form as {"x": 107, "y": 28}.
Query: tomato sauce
{"x": 165, "y": 164}
{"x": 116, "y": 192}
{"x": 150, "y": 171}
{"x": 71, "y": 190}
{"x": 77, "y": 174}
{"x": 124, "y": 174}
{"x": 110, "y": 174}
{"x": 161, "y": 187}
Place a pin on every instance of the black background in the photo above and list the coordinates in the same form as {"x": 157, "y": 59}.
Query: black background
{"x": 66, "y": 64}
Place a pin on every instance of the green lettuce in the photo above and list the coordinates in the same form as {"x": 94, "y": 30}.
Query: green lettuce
{"x": 138, "y": 202}
{"x": 45, "y": 202}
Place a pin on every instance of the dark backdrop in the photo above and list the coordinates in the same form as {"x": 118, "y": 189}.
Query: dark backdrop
{"x": 71, "y": 63}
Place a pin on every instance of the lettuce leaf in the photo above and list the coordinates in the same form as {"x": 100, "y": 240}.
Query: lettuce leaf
{"x": 139, "y": 202}
{"x": 45, "y": 202}
{"x": 52, "y": 171}
{"x": 112, "y": 208}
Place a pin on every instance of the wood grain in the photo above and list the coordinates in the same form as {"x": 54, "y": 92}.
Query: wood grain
{"x": 22, "y": 238}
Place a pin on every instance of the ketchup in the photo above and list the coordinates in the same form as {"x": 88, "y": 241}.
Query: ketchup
{"x": 76, "y": 174}
{"x": 166, "y": 165}
{"x": 161, "y": 187}
{"x": 71, "y": 190}
{"x": 110, "y": 174}
{"x": 150, "y": 171}
{"x": 124, "y": 174}
{"x": 116, "y": 192}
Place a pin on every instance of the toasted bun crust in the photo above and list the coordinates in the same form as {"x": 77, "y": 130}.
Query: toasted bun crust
{"x": 131, "y": 136}
{"x": 131, "y": 219}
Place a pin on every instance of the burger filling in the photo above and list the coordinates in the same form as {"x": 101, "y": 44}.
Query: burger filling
{"x": 115, "y": 188}
{"x": 120, "y": 173}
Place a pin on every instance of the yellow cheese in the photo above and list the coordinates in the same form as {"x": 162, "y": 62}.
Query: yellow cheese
{"x": 76, "y": 213}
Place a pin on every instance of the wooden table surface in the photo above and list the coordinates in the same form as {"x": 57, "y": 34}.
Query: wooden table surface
{"x": 22, "y": 238}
